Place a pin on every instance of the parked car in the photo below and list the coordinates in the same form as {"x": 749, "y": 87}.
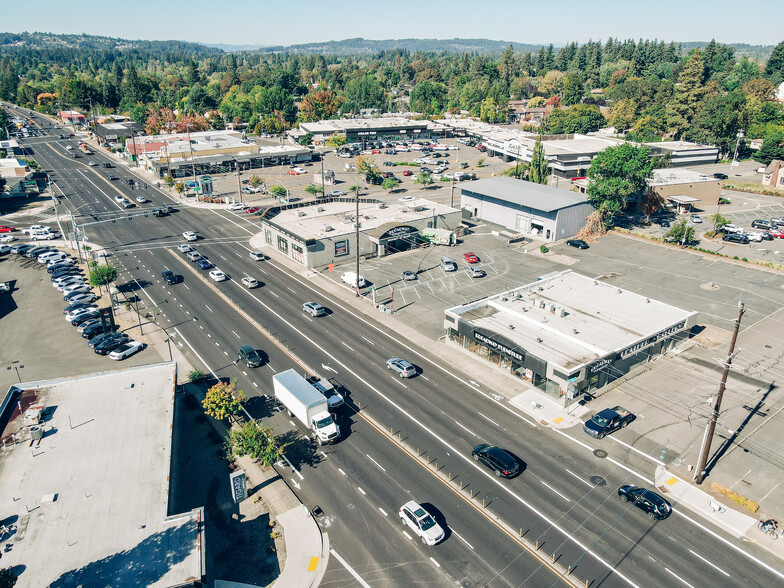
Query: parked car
{"x": 74, "y": 314}
{"x": 409, "y": 276}
{"x": 578, "y": 243}
{"x": 646, "y": 500}
{"x": 93, "y": 331}
{"x": 350, "y": 278}
{"x": 106, "y": 337}
{"x": 471, "y": 257}
{"x": 477, "y": 272}
{"x": 314, "y": 309}
{"x": 448, "y": 265}
{"x": 68, "y": 296}
{"x": 82, "y": 297}
{"x": 126, "y": 350}
{"x": 762, "y": 224}
{"x": 78, "y": 306}
{"x": 335, "y": 193}
{"x": 408, "y": 172}
{"x": 730, "y": 228}
{"x": 109, "y": 344}
{"x": 237, "y": 206}
{"x": 252, "y": 209}
{"x": 498, "y": 460}
{"x": 695, "y": 218}
{"x": 5, "y": 249}
{"x": 720, "y": 176}
{"x": 84, "y": 317}
{"x": 218, "y": 276}
{"x": 422, "y": 523}
{"x": 739, "y": 238}
{"x": 402, "y": 367}
{"x": 6, "y": 229}
{"x": 7, "y": 239}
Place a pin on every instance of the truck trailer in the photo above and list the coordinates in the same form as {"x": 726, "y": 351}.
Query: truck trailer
{"x": 304, "y": 401}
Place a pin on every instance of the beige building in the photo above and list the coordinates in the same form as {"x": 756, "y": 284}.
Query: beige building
{"x": 13, "y": 168}
{"x": 774, "y": 174}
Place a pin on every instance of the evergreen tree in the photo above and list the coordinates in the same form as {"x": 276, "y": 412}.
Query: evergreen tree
{"x": 774, "y": 68}
{"x": 688, "y": 97}
{"x": 538, "y": 171}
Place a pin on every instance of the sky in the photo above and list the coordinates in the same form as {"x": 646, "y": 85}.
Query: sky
{"x": 265, "y": 22}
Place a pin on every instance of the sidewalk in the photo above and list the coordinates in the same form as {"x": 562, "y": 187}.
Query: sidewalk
{"x": 307, "y": 549}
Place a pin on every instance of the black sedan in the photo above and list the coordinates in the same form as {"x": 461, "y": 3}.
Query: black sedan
{"x": 496, "y": 459}
{"x": 83, "y": 318}
{"x": 93, "y": 330}
{"x": 101, "y": 339}
{"x": 578, "y": 243}
{"x": 736, "y": 238}
{"x": 646, "y": 500}
{"x": 109, "y": 345}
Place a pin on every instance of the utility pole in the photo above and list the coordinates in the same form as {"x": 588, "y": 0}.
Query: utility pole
{"x": 135, "y": 152}
{"x": 239, "y": 184}
{"x": 699, "y": 473}
{"x": 323, "y": 189}
{"x": 452, "y": 195}
{"x": 76, "y": 236}
{"x": 190, "y": 146}
{"x": 356, "y": 224}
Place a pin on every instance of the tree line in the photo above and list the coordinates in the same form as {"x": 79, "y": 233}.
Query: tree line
{"x": 648, "y": 89}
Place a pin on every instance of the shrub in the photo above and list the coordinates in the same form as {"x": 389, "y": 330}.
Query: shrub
{"x": 195, "y": 376}
{"x": 543, "y": 248}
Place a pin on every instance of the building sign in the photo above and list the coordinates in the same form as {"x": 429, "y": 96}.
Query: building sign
{"x": 499, "y": 347}
{"x": 341, "y": 248}
{"x": 297, "y": 253}
{"x": 632, "y": 349}
{"x": 365, "y": 133}
{"x": 598, "y": 366}
{"x": 399, "y": 231}
{"x": 239, "y": 491}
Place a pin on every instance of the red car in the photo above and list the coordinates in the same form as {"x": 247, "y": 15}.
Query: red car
{"x": 776, "y": 234}
{"x": 5, "y": 229}
{"x": 375, "y": 151}
{"x": 408, "y": 172}
{"x": 471, "y": 257}
{"x": 252, "y": 209}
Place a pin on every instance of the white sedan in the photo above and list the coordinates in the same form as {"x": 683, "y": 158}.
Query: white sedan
{"x": 218, "y": 276}
{"x": 141, "y": 199}
{"x": 91, "y": 163}
{"x": 237, "y": 206}
{"x": 126, "y": 350}
{"x": 7, "y": 238}
{"x": 406, "y": 199}
{"x": 189, "y": 236}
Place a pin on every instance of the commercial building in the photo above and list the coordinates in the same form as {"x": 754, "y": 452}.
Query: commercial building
{"x": 567, "y": 334}
{"x": 11, "y": 147}
{"x": 357, "y": 130}
{"x": 317, "y": 234}
{"x": 84, "y": 483}
{"x": 569, "y": 155}
{"x": 72, "y": 117}
{"x": 524, "y": 207}
{"x": 208, "y": 152}
{"x": 13, "y": 168}
{"x": 112, "y": 132}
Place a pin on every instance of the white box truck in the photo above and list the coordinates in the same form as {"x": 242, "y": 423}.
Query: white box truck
{"x": 305, "y": 402}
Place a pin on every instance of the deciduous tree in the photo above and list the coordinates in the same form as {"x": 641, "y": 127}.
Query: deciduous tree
{"x": 223, "y": 400}
{"x": 616, "y": 174}
{"x": 256, "y": 441}
{"x": 538, "y": 171}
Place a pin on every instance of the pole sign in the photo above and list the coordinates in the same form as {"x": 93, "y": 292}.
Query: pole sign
{"x": 239, "y": 492}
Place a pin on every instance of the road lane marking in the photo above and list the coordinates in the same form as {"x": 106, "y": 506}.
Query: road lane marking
{"x": 435, "y": 562}
{"x": 361, "y": 490}
{"x": 383, "y": 512}
{"x": 586, "y": 482}
{"x": 556, "y": 491}
{"x": 236, "y": 335}
{"x": 407, "y": 535}
{"x": 342, "y": 472}
{"x": 196, "y": 354}
{"x": 343, "y": 562}
{"x": 368, "y": 340}
{"x": 645, "y": 455}
{"x": 711, "y": 564}
{"x": 375, "y": 462}
{"x": 461, "y": 538}
{"x": 466, "y": 429}
{"x": 489, "y": 419}
{"x": 344, "y": 344}
{"x": 677, "y": 576}
{"x": 208, "y": 308}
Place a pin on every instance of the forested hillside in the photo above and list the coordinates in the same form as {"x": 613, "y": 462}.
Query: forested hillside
{"x": 648, "y": 89}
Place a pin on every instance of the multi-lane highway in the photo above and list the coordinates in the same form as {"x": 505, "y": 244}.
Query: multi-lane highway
{"x": 564, "y": 499}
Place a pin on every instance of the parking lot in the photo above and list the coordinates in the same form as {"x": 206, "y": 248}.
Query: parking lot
{"x": 37, "y": 340}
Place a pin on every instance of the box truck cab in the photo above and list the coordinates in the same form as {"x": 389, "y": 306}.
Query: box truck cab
{"x": 304, "y": 401}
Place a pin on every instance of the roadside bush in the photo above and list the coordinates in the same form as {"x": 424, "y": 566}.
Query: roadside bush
{"x": 750, "y": 505}
{"x": 543, "y": 249}
{"x": 196, "y": 376}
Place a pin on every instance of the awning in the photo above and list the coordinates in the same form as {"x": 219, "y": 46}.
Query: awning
{"x": 682, "y": 199}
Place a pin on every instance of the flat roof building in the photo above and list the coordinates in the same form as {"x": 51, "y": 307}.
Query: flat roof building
{"x": 320, "y": 233}
{"x": 567, "y": 334}
{"x": 569, "y": 155}
{"x": 84, "y": 483}
{"x": 524, "y": 207}
{"x": 357, "y": 130}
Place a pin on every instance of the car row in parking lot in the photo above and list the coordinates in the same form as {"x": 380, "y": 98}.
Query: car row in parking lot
{"x": 769, "y": 230}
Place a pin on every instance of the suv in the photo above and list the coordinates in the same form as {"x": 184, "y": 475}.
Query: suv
{"x": 416, "y": 518}
{"x": 249, "y": 355}
{"x": 314, "y": 309}
{"x": 736, "y": 238}
{"x": 762, "y": 224}
{"x": 496, "y": 459}
{"x": 402, "y": 367}
{"x": 169, "y": 277}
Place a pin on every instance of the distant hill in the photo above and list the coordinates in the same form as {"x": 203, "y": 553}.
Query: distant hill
{"x": 758, "y": 53}
{"x": 361, "y": 46}
{"x": 48, "y": 41}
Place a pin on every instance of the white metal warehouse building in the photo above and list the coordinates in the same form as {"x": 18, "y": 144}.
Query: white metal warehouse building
{"x": 524, "y": 207}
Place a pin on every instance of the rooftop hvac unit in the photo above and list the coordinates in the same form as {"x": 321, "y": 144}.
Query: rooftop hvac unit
{"x": 561, "y": 312}
{"x": 300, "y": 213}
{"x": 33, "y": 415}
{"x": 542, "y": 303}
{"x": 552, "y": 308}
{"x": 320, "y": 209}
{"x": 382, "y": 205}
{"x": 37, "y": 432}
{"x": 327, "y": 228}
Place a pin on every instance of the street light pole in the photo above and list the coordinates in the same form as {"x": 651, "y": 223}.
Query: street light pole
{"x": 76, "y": 235}
{"x": 356, "y": 224}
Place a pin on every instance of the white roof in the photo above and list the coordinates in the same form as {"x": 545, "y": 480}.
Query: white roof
{"x": 92, "y": 497}
{"x": 599, "y": 318}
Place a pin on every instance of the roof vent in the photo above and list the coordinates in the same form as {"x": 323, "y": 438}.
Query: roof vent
{"x": 300, "y": 213}
{"x": 382, "y": 205}
{"x": 320, "y": 209}
{"x": 561, "y": 312}
{"x": 327, "y": 228}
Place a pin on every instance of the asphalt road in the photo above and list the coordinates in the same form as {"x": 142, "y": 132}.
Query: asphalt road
{"x": 565, "y": 498}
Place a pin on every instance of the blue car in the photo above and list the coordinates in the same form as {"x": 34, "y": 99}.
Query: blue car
{"x": 204, "y": 264}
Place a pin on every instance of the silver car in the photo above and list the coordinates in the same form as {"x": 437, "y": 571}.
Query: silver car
{"x": 402, "y": 367}
{"x": 314, "y": 309}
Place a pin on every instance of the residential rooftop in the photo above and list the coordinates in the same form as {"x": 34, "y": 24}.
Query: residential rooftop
{"x": 90, "y": 499}
{"x": 570, "y": 320}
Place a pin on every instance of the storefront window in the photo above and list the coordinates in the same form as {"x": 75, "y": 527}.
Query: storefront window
{"x": 283, "y": 245}
{"x": 268, "y": 236}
